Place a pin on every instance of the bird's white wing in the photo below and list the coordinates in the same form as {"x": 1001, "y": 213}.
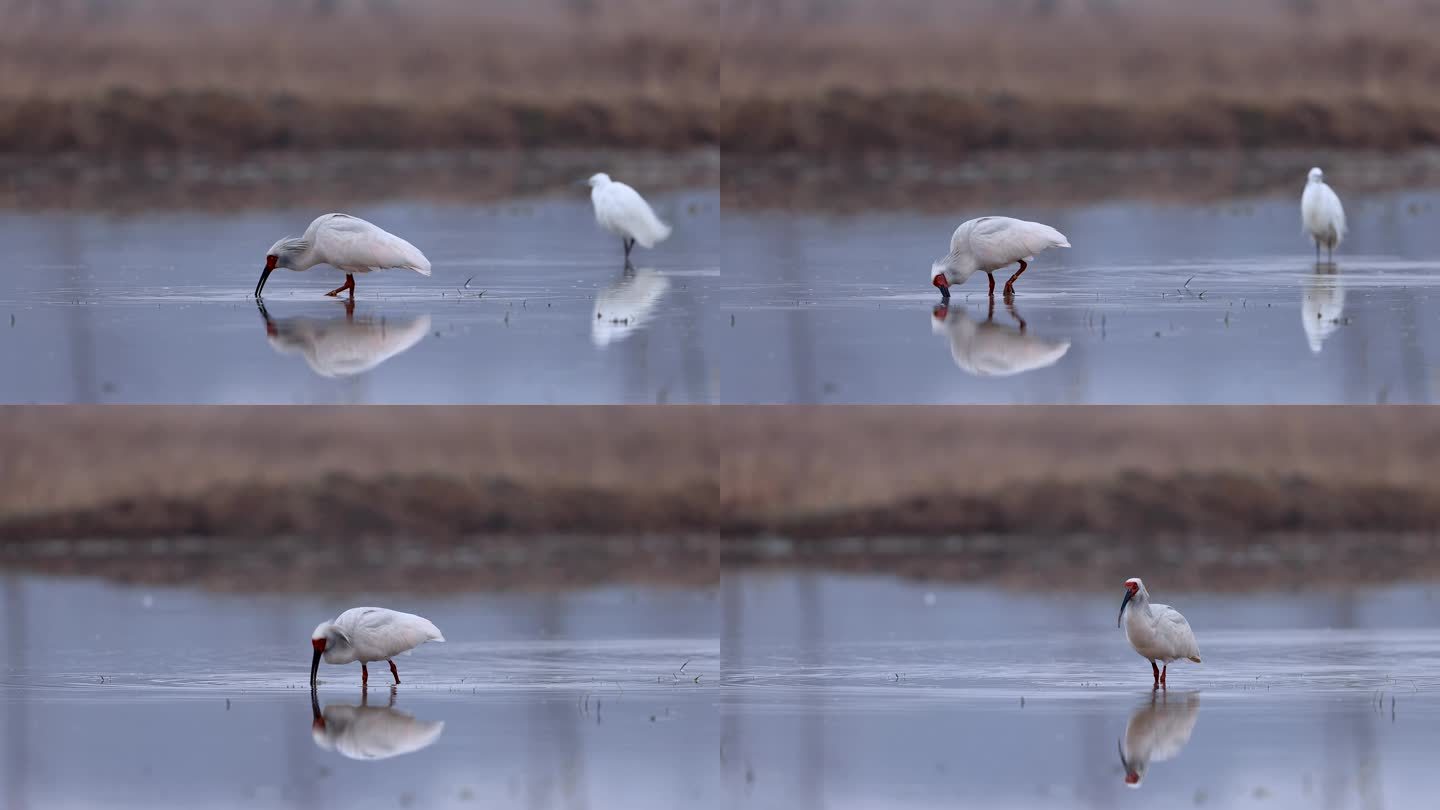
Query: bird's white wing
{"x": 384, "y": 633}
{"x": 998, "y": 240}
{"x": 347, "y": 241}
{"x": 620, "y": 208}
{"x": 1176, "y": 630}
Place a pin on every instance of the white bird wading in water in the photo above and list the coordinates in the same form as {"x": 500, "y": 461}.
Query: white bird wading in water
{"x": 348, "y": 244}
{"x": 622, "y": 211}
{"x": 1322, "y": 214}
{"x": 368, "y": 634}
{"x": 1157, "y": 632}
{"x": 990, "y": 243}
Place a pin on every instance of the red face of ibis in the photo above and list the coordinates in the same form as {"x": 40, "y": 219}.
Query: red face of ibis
{"x": 941, "y": 282}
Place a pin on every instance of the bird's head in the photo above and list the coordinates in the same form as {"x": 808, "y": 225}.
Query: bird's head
{"x": 1316, "y": 175}
{"x": 598, "y": 179}
{"x": 280, "y": 254}
{"x": 326, "y": 637}
{"x": 940, "y": 278}
{"x": 1134, "y": 588}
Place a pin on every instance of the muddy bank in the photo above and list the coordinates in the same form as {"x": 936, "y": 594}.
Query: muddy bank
{"x": 813, "y": 474}
{"x": 347, "y": 473}
{"x": 956, "y": 124}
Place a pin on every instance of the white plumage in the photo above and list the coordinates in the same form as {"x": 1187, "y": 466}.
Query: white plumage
{"x": 1321, "y": 214}
{"x": 348, "y": 244}
{"x": 990, "y": 349}
{"x": 621, "y": 210}
{"x": 1323, "y": 306}
{"x": 370, "y": 732}
{"x": 1157, "y": 731}
{"x": 626, "y": 305}
{"x": 990, "y": 243}
{"x": 343, "y": 347}
{"x": 1157, "y": 632}
{"x": 368, "y": 634}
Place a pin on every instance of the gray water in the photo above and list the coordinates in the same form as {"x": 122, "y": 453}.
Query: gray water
{"x": 848, "y": 692}
{"x": 529, "y": 303}
{"x": 149, "y": 697}
{"x": 1216, "y": 302}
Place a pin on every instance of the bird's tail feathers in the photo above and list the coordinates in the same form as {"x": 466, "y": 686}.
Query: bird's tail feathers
{"x": 1195, "y": 658}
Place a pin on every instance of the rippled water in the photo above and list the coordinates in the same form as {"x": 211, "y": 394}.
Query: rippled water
{"x": 851, "y": 692}
{"x": 1156, "y": 303}
{"x": 529, "y": 302}
{"x": 162, "y": 697}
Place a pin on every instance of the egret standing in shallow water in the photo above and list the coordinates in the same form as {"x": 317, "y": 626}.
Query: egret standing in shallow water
{"x": 368, "y": 634}
{"x": 1157, "y": 632}
{"x": 622, "y": 211}
{"x": 348, "y": 244}
{"x": 1322, "y": 214}
{"x": 990, "y": 243}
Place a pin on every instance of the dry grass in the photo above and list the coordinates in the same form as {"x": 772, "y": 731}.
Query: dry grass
{"x": 270, "y": 75}
{"x": 936, "y": 76}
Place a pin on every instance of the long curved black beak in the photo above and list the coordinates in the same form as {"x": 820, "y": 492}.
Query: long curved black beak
{"x": 264, "y": 274}
{"x": 1128, "y": 596}
{"x": 314, "y": 668}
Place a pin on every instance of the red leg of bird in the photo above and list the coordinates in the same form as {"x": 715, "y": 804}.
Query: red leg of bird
{"x": 1163, "y": 670}
{"x": 1155, "y": 670}
{"x": 393, "y": 670}
{"x": 992, "y": 284}
{"x": 364, "y": 675}
{"x": 1010, "y": 285}
{"x": 348, "y": 285}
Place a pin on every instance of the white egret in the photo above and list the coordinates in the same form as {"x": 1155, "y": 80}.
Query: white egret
{"x": 990, "y": 243}
{"x": 1157, "y": 731}
{"x": 344, "y": 347}
{"x": 367, "y": 732}
{"x": 1322, "y": 214}
{"x": 990, "y": 349}
{"x": 1322, "y": 306}
{"x": 348, "y": 244}
{"x": 626, "y": 305}
{"x": 368, "y": 634}
{"x": 1157, "y": 632}
{"x": 622, "y": 211}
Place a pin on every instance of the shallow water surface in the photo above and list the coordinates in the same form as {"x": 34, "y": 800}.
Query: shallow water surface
{"x": 1156, "y": 303}
{"x": 529, "y": 303}
{"x": 165, "y": 697}
{"x": 850, "y": 692}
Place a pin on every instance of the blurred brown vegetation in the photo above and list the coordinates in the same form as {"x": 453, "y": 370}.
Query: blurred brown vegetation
{"x": 946, "y": 77}
{"x": 124, "y": 76}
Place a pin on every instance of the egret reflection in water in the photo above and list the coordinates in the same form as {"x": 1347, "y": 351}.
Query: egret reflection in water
{"x": 345, "y": 345}
{"x": 1157, "y": 732}
{"x": 1323, "y": 304}
{"x": 368, "y": 732}
{"x": 991, "y": 349}
{"x": 626, "y": 306}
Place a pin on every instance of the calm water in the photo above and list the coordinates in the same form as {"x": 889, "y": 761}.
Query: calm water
{"x": 529, "y": 303}
{"x": 1156, "y": 303}
{"x": 846, "y": 692}
{"x": 159, "y": 697}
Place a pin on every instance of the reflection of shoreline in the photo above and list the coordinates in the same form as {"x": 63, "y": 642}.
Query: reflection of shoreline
{"x": 303, "y": 564}
{"x": 798, "y": 183}
{"x": 201, "y": 183}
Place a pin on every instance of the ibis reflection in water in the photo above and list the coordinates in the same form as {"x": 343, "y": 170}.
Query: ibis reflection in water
{"x": 346, "y": 345}
{"x": 1157, "y": 731}
{"x": 991, "y": 349}
{"x": 625, "y": 306}
{"x": 1322, "y": 308}
{"x": 368, "y": 732}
